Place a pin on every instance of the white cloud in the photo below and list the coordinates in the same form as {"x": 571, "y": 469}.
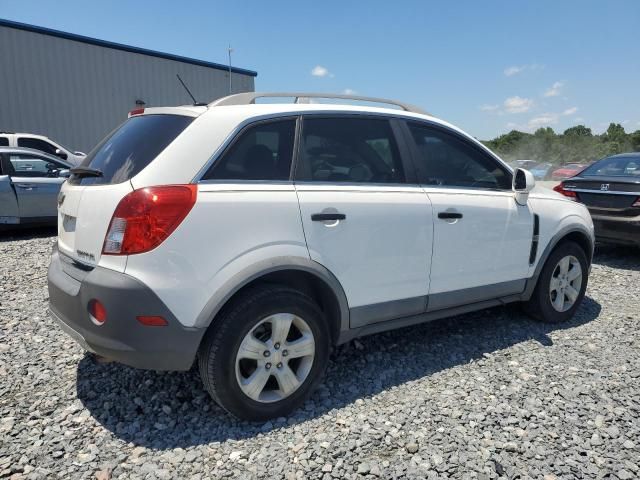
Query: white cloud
{"x": 320, "y": 71}
{"x": 570, "y": 111}
{"x": 542, "y": 120}
{"x": 489, "y": 108}
{"x": 554, "y": 91}
{"x": 578, "y": 119}
{"x": 348, "y": 91}
{"x": 516, "y": 69}
{"x": 510, "y": 71}
{"x": 517, "y": 104}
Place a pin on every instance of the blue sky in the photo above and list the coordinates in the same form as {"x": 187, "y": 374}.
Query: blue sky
{"x": 487, "y": 67}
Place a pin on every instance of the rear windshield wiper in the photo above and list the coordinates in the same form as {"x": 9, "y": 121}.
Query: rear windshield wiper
{"x": 86, "y": 172}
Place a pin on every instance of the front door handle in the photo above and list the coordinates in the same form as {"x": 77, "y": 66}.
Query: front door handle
{"x": 324, "y": 217}
{"x": 26, "y": 186}
{"x": 449, "y": 215}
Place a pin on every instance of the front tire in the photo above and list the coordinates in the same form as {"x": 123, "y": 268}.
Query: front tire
{"x": 265, "y": 353}
{"x": 561, "y": 285}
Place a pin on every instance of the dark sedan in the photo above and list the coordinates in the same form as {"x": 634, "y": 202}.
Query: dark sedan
{"x": 610, "y": 188}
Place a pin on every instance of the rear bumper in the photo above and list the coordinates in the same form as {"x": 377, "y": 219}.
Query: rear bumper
{"x": 121, "y": 337}
{"x": 620, "y": 230}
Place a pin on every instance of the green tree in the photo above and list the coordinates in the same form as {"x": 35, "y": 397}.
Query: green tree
{"x": 578, "y": 131}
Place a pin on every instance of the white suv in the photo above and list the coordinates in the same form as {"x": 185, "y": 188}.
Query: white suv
{"x": 255, "y": 237}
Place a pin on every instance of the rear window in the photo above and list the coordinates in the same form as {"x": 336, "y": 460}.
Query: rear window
{"x": 615, "y": 167}
{"x": 131, "y": 147}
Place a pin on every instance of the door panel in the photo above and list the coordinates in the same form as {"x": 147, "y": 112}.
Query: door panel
{"x": 9, "y": 213}
{"x": 37, "y": 196}
{"x": 487, "y": 246}
{"x": 381, "y": 251}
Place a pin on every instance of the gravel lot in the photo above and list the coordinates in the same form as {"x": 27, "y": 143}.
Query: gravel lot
{"x": 486, "y": 395}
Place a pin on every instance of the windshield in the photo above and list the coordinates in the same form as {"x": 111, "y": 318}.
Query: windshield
{"x": 615, "y": 167}
{"x": 130, "y": 148}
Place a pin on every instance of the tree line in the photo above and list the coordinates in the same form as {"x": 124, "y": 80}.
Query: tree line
{"x": 575, "y": 145}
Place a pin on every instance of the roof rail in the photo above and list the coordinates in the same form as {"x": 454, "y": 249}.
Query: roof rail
{"x": 248, "y": 98}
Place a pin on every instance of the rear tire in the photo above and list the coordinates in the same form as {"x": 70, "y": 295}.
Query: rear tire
{"x": 561, "y": 285}
{"x": 251, "y": 366}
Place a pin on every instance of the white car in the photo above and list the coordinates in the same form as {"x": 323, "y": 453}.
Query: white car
{"x": 42, "y": 143}
{"x": 256, "y": 237}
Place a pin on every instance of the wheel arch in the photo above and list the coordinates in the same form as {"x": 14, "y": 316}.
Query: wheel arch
{"x": 576, "y": 233}
{"x": 302, "y": 274}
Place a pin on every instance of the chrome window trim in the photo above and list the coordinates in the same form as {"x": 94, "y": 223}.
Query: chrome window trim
{"x": 603, "y": 192}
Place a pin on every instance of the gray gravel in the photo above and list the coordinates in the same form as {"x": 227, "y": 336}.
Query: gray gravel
{"x": 486, "y": 395}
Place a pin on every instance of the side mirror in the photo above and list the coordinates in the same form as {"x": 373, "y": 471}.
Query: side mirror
{"x": 64, "y": 173}
{"x": 523, "y": 183}
{"x": 61, "y": 154}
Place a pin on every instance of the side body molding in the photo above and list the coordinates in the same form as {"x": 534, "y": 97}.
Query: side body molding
{"x": 259, "y": 269}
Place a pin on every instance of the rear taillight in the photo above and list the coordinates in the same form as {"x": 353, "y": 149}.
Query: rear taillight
{"x": 136, "y": 111}
{"x": 567, "y": 193}
{"x": 636, "y": 203}
{"x": 146, "y": 217}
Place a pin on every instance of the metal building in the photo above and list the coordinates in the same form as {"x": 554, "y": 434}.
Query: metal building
{"x": 76, "y": 89}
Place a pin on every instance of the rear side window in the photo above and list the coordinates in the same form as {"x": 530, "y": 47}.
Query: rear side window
{"x": 4, "y": 142}
{"x": 352, "y": 150}
{"x": 36, "y": 144}
{"x": 30, "y": 166}
{"x": 262, "y": 152}
{"x": 131, "y": 147}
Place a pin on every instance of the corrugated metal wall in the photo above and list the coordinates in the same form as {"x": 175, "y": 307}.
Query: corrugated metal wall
{"x": 76, "y": 93}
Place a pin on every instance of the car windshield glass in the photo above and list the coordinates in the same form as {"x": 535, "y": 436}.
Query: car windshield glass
{"x": 615, "y": 167}
{"x": 131, "y": 147}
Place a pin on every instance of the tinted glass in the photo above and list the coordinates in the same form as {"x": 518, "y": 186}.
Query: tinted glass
{"x": 29, "y": 166}
{"x": 131, "y": 147}
{"x": 615, "y": 167}
{"x": 449, "y": 161}
{"x": 262, "y": 152}
{"x": 355, "y": 150}
{"x": 4, "y": 142}
{"x": 37, "y": 144}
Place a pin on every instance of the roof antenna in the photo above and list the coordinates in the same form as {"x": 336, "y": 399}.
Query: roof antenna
{"x": 190, "y": 94}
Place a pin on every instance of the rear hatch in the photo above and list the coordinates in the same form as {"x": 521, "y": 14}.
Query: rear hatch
{"x": 88, "y": 199}
{"x": 610, "y": 196}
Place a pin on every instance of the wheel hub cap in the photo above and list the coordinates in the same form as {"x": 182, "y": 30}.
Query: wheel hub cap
{"x": 275, "y": 357}
{"x": 565, "y": 284}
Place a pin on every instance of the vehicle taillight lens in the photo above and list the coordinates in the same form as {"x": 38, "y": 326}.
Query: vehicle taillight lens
{"x": 146, "y": 217}
{"x": 136, "y": 111}
{"x": 567, "y": 193}
{"x": 636, "y": 203}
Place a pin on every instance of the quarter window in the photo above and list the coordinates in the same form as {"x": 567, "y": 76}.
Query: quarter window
{"x": 446, "y": 160}
{"x": 262, "y": 152}
{"x": 353, "y": 150}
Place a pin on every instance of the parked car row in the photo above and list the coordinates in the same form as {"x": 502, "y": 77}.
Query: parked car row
{"x": 549, "y": 171}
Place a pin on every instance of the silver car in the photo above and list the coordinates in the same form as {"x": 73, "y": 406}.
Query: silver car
{"x": 30, "y": 181}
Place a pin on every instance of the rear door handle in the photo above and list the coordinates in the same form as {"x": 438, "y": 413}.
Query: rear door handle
{"x": 26, "y": 186}
{"x": 323, "y": 217}
{"x": 449, "y": 215}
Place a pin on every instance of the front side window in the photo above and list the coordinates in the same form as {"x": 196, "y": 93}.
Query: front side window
{"x": 37, "y": 144}
{"x": 29, "y": 166}
{"x": 262, "y": 152}
{"x": 352, "y": 150}
{"x": 446, "y": 160}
